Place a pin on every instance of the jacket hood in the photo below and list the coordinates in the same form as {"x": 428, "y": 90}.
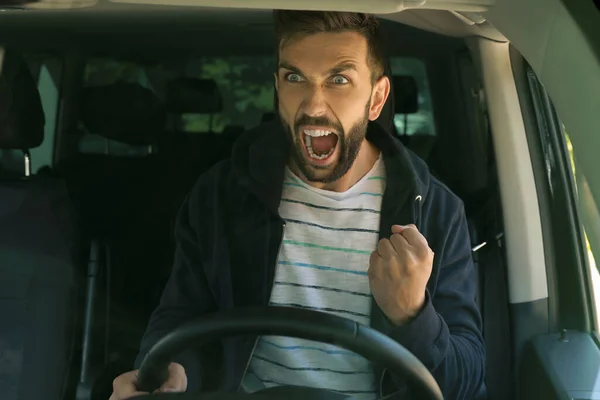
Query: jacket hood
{"x": 260, "y": 154}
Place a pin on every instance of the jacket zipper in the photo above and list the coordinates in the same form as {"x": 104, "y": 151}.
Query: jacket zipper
{"x": 256, "y": 340}
{"x": 381, "y": 383}
{"x": 247, "y": 364}
{"x": 417, "y": 210}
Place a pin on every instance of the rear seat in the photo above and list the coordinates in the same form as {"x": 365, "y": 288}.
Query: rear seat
{"x": 39, "y": 274}
{"x": 192, "y": 153}
{"x": 197, "y": 96}
{"x": 125, "y": 214}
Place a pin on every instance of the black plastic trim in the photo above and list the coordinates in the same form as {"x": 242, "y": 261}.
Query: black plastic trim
{"x": 571, "y": 291}
{"x": 562, "y": 365}
{"x": 528, "y": 321}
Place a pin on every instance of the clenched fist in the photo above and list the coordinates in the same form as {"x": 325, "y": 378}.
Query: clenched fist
{"x": 398, "y": 273}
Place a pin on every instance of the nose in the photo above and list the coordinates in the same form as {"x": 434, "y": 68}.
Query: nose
{"x": 314, "y": 102}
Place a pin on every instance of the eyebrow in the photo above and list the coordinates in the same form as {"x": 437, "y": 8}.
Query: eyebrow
{"x": 339, "y": 68}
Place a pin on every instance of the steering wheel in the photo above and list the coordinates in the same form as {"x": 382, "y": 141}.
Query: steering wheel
{"x": 291, "y": 322}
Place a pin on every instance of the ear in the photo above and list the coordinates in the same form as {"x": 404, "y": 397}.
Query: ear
{"x": 276, "y": 82}
{"x": 379, "y": 95}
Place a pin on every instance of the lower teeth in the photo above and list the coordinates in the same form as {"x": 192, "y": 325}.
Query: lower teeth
{"x": 312, "y": 153}
{"x": 317, "y": 156}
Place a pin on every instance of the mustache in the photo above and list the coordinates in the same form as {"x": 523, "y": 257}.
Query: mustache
{"x": 321, "y": 121}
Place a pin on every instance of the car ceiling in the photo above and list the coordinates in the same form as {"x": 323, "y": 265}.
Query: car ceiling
{"x": 444, "y": 22}
{"x": 159, "y": 33}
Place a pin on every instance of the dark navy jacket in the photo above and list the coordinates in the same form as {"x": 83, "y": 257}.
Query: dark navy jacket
{"x": 228, "y": 236}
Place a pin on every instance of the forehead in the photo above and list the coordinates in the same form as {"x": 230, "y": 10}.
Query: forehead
{"x": 325, "y": 49}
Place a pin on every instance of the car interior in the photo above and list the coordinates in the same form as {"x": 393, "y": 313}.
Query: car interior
{"x": 110, "y": 111}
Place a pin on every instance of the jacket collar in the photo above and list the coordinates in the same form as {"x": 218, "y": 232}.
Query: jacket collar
{"x": 260, "y": 155}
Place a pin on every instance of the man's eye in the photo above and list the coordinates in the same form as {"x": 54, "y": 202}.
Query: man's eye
{"x": 293, "y": 77}
{"x": 339, "y": 80}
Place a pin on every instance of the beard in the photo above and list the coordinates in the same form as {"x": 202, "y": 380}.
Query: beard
{"x": 348, "y": 143}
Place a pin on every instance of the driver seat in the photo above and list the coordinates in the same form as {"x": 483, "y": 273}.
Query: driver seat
{"x": 38, "y": 252}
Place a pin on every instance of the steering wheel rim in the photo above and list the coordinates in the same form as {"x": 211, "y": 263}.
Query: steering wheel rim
{"x": 290, "y": 322}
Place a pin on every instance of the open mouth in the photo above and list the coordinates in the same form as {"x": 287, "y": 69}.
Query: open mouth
{"x": 320, "y": 144}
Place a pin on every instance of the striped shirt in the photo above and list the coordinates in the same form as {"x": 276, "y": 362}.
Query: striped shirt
{"x": 322, "y": 265}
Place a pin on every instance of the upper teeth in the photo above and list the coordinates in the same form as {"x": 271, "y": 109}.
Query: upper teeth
{"x": 316, "y": 132}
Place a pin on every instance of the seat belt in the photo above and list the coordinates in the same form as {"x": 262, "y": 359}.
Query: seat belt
{"x": 496, "y": 312}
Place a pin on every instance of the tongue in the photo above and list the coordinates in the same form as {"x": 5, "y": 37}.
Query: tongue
{"x": 322, "y": 144}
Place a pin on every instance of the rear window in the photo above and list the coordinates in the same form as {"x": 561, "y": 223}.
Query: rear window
{"x": 246, "y": 86}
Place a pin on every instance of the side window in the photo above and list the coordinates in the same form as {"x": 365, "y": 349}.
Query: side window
{"x": 573, "y": 212}
{"x": 420, "y": 122}
{"x": 590, "y": 218}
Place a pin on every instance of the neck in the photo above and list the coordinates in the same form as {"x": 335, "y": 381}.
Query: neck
{"x": 364, "y": 162}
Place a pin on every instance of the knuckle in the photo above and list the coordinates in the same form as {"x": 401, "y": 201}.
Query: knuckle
{"x": 371, "y": 273}
{"x": 371, "y": 267}
{"x": 423, "y": 253}
{"x": 176, "y": 366}
{"x": 117, "y": 382}
{"x": 120, "y": 383}
{"x": 372, "y": 260}
{"x": 413, "y": 259}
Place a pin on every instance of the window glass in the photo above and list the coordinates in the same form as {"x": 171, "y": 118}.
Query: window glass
{"x": 422, "y": 122}
{"x": 48, "y": 87}
{"x": 590, "y": 216}
{"x": 245, "y": 85}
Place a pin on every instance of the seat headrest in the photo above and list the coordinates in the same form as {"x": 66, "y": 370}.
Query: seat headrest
{"x": 22, "y": 117}
{"x": 406, "y": 94}
{"x": 125, "y": 112}
{"x": 193, "y": 96}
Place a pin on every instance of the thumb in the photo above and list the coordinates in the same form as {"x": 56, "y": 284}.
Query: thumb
{"x": 177, "y": 381}
{"x": 398, "y": 228}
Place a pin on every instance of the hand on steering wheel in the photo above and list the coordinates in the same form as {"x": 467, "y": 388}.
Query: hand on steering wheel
{"x": 292, "y": 322}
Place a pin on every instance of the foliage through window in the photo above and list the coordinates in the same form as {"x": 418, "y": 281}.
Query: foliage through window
{"x": 590, "y": 217}
{"x": 246, "y": 87}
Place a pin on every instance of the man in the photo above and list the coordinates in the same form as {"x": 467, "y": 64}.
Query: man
{"x": 324, "y": 210}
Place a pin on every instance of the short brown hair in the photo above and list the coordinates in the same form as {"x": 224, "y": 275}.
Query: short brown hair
{"x": 297, "y": 24}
